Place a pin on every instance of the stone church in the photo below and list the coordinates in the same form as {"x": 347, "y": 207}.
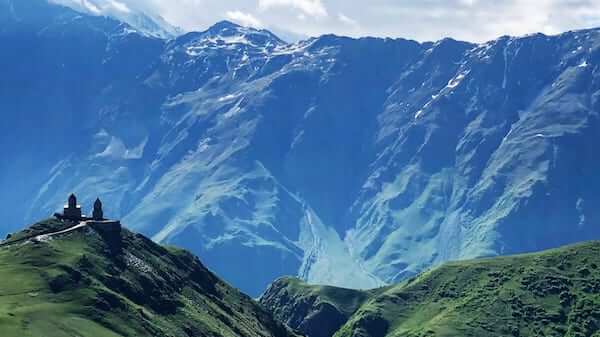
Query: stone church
{"x": 72, "y": 211}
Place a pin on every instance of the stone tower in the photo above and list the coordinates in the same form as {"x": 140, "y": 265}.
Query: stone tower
{"x": 98, "y": 214}
{"x": 72, "y": 211}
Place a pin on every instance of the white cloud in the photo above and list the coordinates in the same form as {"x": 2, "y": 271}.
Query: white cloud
{"x": 91, "y": 7}
{"x": 97, "y": 7}
{"x": 119, "y": 6}
{"x": 468, "y": 2}
{"x": 314, "y": 8}
{"x": 244, "y": 19}
{"x": 471, "y": 20}
{"x": 346, "y": 20}
{"x": 477, "y": 20}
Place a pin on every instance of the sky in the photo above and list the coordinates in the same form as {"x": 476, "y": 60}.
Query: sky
{"x": 422, "y": 20}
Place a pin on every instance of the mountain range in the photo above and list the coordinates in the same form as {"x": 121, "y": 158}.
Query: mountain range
{"x": 348, "y": 162}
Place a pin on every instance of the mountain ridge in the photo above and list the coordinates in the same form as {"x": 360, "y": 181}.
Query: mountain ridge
{"x": 552, "y": 292}
{"x": 147, "y": 24}
{"x": 350, "y": 162}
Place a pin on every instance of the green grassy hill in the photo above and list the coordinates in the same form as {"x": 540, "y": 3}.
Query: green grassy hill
{"x": 316, "y": 311}
{"x": 90, "y": 282}
{"x": 553, "y": 293}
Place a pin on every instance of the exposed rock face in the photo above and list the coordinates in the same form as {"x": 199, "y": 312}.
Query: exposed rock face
{"x": 352, "y": 162}
{"x": 312, "y": 311}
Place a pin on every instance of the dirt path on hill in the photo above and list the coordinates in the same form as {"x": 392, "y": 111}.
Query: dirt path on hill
{"x": 48, "y": 236}
{"x": 44, "y": 237}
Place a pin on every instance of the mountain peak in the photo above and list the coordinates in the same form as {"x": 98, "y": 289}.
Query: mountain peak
{"x": 223, "y": 25}
{"x": 227, "y": 29}
{"x": 230, "y": 36}
{"x": 145, "y": 23}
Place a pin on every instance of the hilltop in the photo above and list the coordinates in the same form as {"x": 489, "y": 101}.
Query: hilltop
{"x": 553, "y": 293}
{"x": 60, "y": 279}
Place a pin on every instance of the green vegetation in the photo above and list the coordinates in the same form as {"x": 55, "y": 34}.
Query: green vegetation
{"x": 553, "y": 293}
{"x": 90, "y": 283}
{"x": 347, "y": 301}
{"x": 315, "y": 311}
{"x": 101, "y": 283}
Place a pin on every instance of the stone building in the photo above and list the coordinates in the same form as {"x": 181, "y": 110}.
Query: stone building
{"x": 98, "y": 214}
{"x": 72, "y": 211}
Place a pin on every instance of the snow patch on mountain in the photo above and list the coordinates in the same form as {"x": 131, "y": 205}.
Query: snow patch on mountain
{"x": 327, "y": 258}
{"x": 143, "y": 22}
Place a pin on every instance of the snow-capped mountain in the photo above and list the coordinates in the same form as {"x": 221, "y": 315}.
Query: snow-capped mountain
{"x": 142, "y": 21}
{"x": 352, "y": 162}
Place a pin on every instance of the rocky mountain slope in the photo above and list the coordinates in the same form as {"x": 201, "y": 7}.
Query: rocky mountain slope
{"x": 93, "y": 282}
{"x": 349, "y": 162}
{"x": 131, "y": 13}
{"x": 553, "y": 293}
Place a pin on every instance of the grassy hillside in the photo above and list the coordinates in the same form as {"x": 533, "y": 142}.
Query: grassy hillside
{"x": 553, "y": 293}
{"x": 316, "y": 311}
{"x": 93, "y": 283}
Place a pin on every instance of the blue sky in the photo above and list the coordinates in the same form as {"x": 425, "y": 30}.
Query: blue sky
{"x": 472, "y": 20}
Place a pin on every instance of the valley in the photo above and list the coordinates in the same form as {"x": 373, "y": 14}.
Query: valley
{"x": 60, "y": 278}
